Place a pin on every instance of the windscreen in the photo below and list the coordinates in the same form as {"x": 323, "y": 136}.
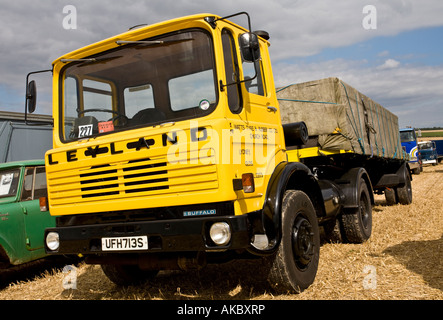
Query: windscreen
{"x": 407, "y": 136}
{"x": 9, "y": 182}
{"x": 163, "y": 79}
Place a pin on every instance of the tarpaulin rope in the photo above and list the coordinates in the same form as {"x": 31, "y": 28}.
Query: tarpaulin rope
{"x": 309, "y": 101}
{"x": 353, "y": 124}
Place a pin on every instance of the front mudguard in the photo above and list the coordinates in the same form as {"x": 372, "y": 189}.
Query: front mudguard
{"x": 287, "y": 175}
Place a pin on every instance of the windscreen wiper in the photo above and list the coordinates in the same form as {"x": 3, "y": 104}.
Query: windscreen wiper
{"x": 89, "y": 61}
{"x": 151, "y": 42}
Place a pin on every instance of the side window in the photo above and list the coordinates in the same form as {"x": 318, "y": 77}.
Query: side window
{"x": 9, "y": 182}
{"x": 34, "y": 185}
{"x": 40, "y": 183}
{"x": 256, "y": 85}
{"x": 232, "y": 72}
{"x": 27, "y": 185}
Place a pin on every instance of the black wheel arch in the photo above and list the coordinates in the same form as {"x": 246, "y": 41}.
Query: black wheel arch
{"x": 286, "y": 176}
{"x": 350, "y": 185}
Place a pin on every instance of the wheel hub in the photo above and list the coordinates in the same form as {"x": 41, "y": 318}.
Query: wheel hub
{"x": 302, "y": 242}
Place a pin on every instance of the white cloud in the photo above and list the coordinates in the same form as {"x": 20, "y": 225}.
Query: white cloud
{"x": 32, "y": 33}
{"x": 413, "y": 93}
{"x": 389, "y": 64}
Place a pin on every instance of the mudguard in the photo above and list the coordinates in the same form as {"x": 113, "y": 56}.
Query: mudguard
{"x": 287, "y": 175}
{"x": 349, "y": 185}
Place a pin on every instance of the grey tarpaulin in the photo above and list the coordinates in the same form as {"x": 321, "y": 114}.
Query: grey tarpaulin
{"x": 342, "y": 117}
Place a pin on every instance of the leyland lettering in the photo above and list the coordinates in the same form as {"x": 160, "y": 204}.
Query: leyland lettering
{"x": 167, "y": 139}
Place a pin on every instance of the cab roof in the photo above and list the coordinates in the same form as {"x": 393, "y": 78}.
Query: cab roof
{"x": 22, "y": 163}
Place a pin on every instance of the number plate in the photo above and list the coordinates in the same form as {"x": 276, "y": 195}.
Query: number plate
{"x": 125, "y": 243}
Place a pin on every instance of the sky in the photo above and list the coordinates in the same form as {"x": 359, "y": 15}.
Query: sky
{"x": 391, "y": 50}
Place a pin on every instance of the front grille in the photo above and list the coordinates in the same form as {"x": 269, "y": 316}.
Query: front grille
{"x": 144, "y": 184}
{"x": 107, "y": 178}
{"x": 95, "y": 178}
{"x": 141, "y": 177}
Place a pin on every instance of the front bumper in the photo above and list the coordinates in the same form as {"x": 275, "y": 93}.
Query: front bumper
{"x": 174, "y": 235}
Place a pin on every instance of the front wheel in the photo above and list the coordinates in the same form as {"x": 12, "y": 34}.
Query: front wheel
{"x": 295, "y": 264}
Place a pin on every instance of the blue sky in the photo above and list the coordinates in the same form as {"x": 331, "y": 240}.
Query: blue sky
{"x": 421, "y": 46}
{"x": 398, "y": 64}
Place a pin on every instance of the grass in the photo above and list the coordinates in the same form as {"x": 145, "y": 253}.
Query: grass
{"x": 431, "y": 134}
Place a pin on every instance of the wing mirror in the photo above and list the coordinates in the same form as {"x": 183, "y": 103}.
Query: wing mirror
{"x": 31, "y": 96}
{"x": 249, "y": 46}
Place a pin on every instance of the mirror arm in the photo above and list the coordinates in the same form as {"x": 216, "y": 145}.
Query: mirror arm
{"x": 222, "y": 86}
{"x": 28, "y": 95}
{"x": 212, "y": 21}
{"x": 242, "y": 81}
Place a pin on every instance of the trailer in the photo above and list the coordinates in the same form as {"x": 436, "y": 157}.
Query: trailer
{"x": 173, "y": 149}
{"x": 439, "y": 148}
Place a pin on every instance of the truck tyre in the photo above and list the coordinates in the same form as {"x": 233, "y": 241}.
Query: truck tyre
{"x": 126, "y": 275}
{"x": 357, "y": 223}
{"x": 404, "y": 194}
{"x": 391, "y": 196}
{"x": 295, "y": 264}
{"x": 332, "y": 232}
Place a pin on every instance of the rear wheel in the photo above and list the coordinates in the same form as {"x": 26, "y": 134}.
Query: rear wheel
{"x": 125, "y": 275}
{"x": 404, "y": 193}
{"x": 390, "y": 196}
{"x": 295, "y": 265}
{"x": 357, "y": 223}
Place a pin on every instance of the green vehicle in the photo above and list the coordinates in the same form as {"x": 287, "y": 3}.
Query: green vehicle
{"x": 22, "y": 223}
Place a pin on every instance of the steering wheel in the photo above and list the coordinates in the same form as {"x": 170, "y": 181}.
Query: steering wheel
{"x": 116, "y": 113}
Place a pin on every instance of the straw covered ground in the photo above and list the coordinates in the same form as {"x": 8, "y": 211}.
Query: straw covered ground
{"x": 403, "y": 259}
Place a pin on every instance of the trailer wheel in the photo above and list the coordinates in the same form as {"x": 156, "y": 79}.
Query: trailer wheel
{"x": 125, "y": 275}
{"x": 404, "y": 194}
{"x": 295, "y": 265}
{"x": 357, "y": 224}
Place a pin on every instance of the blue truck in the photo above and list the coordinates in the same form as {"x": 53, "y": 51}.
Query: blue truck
{"x": 428, "y": 152}
{"x": 410, "y": 145}
{"x": 439, "y": 149}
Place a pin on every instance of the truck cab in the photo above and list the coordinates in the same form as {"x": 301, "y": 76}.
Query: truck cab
{"x": 22, "y": 223}
{"x": 410, "y": 144}
{"x": 428, "y": 152}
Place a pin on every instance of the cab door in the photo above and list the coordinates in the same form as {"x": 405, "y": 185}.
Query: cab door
{"x": 36, "y": 221}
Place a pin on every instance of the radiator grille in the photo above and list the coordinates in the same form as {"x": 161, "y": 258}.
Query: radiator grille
{"x": 145, "y": 177}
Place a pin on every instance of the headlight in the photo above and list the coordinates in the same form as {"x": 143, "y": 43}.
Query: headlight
{"x": 220, "y": 233}
{"x": 52, "y": 241}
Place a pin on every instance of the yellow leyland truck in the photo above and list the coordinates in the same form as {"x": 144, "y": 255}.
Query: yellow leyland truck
{"x": 173, "y": 149}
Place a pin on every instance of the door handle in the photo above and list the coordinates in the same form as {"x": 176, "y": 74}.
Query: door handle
{"x": 271, "y": 108}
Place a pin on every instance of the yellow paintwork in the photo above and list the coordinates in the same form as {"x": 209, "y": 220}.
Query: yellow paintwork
{"x": 188, "y": 172}
{"x": 297, "y": 154}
